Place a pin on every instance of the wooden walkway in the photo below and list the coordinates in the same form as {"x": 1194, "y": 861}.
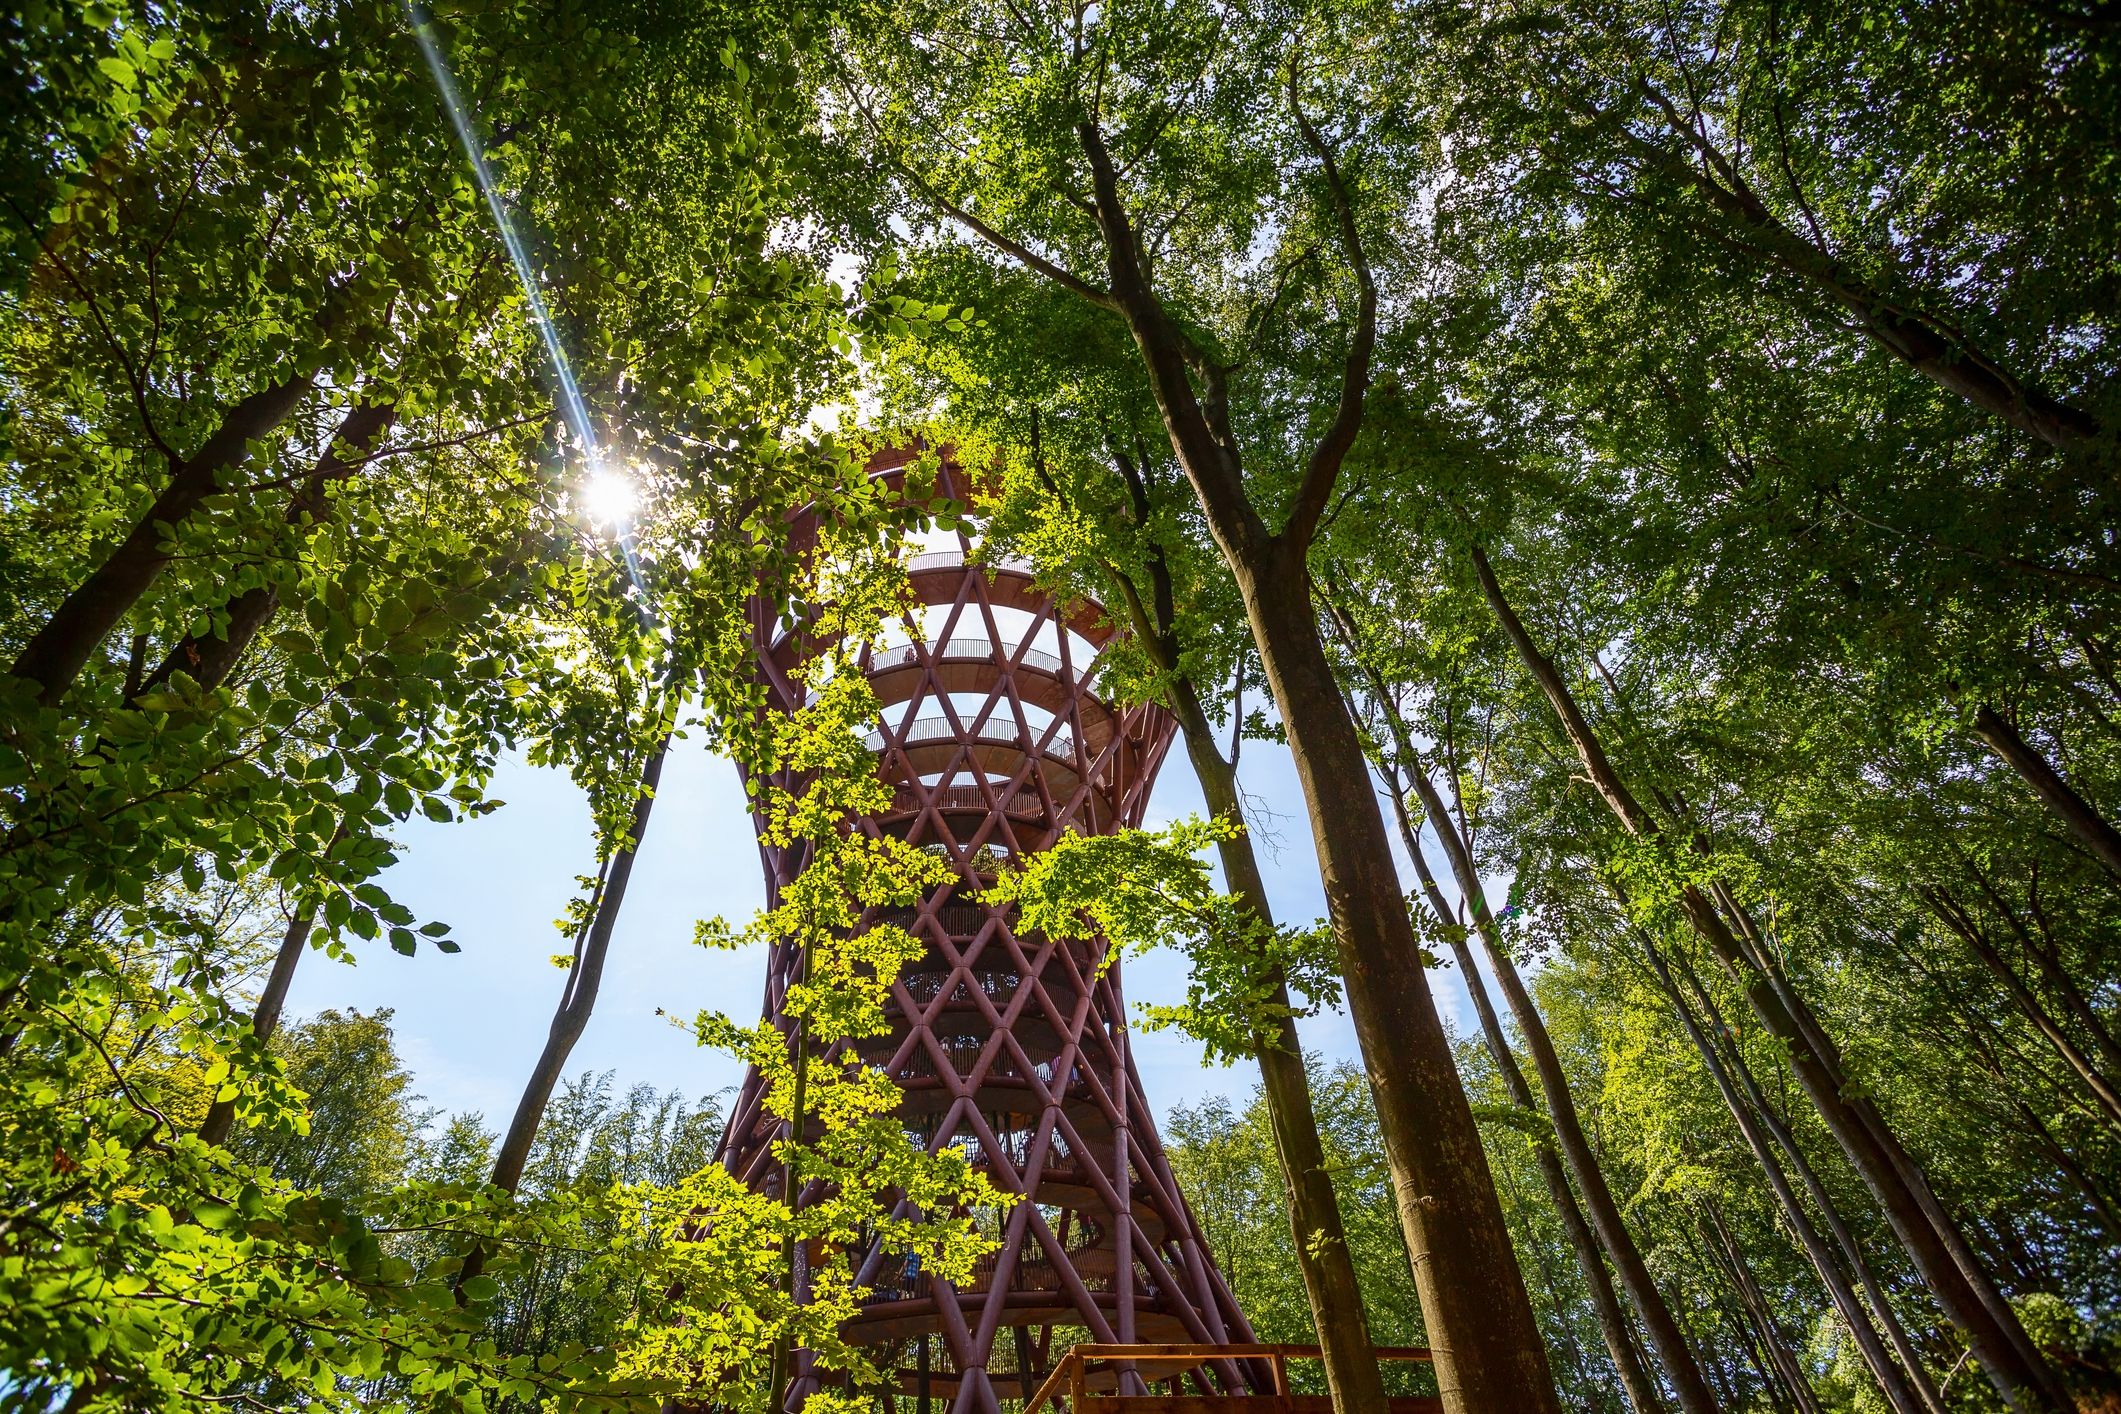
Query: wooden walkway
{"x": 1088, "y": 1377}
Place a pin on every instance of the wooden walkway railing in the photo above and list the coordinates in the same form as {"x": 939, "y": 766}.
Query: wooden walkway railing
{"x": 1073, "y": 1376}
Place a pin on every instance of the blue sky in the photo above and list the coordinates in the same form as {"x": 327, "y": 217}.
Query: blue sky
{"x": 469, "y": 1025}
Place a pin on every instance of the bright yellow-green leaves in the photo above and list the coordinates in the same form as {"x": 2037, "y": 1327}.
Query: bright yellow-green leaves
{"x": 1139, "y": 889}
{"x": 811, "y": 787}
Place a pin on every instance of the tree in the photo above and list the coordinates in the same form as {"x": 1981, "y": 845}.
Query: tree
{"x": 1143, "y": 179}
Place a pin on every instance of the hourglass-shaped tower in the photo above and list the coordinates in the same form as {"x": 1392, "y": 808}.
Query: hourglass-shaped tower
{"x": 1007, "y": 1043}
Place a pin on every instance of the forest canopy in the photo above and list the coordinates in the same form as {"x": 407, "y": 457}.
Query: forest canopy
{"x": 1650, "y": 470}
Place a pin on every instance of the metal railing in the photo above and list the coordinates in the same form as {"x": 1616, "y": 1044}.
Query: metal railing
{"x": 965, "y": 650}
{"x": 921, "y": 730}
{"x": 951, "y": 559}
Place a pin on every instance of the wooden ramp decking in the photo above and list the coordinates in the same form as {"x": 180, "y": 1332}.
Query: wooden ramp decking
{"x": 1093, "y": 1379}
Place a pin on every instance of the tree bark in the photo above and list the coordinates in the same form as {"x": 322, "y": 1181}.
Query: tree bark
{"x": 1728, "y": 1256}
{"x": 1605, "y": 1301}
{"x": 1965, "y": 1290}
{"x": 579, "y": 997}
{"x": 1924, "y": 341}
{"x": 1666, "y": 1339}
{"x": 2041, "y": 948}
{"x": 61, "y": 647}
{"x": 1488, "y": 1351}
{"x": 209, "y": 659}
{"x": 1338, "y": 1315}
{"x": 265, "y": 1018}
{"x": 1892, "y": 1381}
{"x": 2087, "y": 824}
{"x": 1851, "y": 1253}
{"x": 1352, "y": 1375}
{"x": 1489, "y": 1355}
{"x": 2101, "y": 1089}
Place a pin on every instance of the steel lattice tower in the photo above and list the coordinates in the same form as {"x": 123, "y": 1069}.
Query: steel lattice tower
{"x": 1009, "y": 1044}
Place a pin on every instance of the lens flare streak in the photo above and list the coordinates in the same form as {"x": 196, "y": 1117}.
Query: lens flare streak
{"x": 604, "y": 485}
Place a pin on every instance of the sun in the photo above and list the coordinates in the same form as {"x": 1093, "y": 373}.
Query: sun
{"x": 609, "y": 497}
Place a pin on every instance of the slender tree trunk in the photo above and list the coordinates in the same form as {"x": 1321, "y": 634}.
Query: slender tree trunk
{"x": 1928, "y": 343}
{"x": 1489, "y": 1355}
{"x": 1665, "y": 1336}
{"x": 265, "y": 1019}
{"x": 1851, "y": 1252}
{"x": 1757, "y": 1341}
{"x": 1605, "y": 1302}
{"x": 208, "y": 659}
{"x": 1487, "y": 1346}
{"x": 1892, "y": 1381}
{"x": 56, "y": 653}
{"x": 1728, "y": 1255}
{"x": 2102, "y": 1090}
{"x": 1353, "y": 1378}
{"x": 2041, "y": 948}
{"x": 1965, "y": 1290}
{"x": 1933, "y": 1241}
{"x": 1568, "y": 1347}
{"x": 579, "y": 997}
{"x": 2086, "y": 823}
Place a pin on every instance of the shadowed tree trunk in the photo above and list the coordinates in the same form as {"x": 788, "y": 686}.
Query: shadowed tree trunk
{"x": 1605, "y": 1301}
{"x": 1963, "y": 1287}
{"x": 2086, "y": 823}
{"x": 1338, "y": 1315}
{"x": 1929, "y": 343}
{"x": 56, "y": 653}
{"x": 2099, "y": 1087}
{"x": 1730, "y": 1259}
{"x": 592, "y": 945}
{"x": 1488, "y": 1352}
{"x": 209, "y": 659}
{"x": 1890, "y": 1379}
{"x": 579, "y": 996}
{"x": 265, "y": 1018}
{"x": 1613, "y": 1237}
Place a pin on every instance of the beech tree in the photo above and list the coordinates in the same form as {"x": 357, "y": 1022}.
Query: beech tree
{"x": 1172, "y": 146}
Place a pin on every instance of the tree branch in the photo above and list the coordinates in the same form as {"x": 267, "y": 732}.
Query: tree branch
{"x": 1332, "y": 449}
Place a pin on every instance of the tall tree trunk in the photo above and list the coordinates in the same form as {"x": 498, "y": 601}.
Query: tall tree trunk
{"x": 61, "y": 647}
{"x": 1963, "y": 1287}
{"x": 1353, "y": 1378}
{"x": 1489, "y": 1355}
{"x": 2087, "y": 824}
{"x": 2102, "y": 1090}
{"x": 1925, "y": 341}
{"x": 1728, "y": 1256}
{"x": 1322, "y": 1256}
{"x": 579, "y": 996}
{"x": 1605, "y": 1301}
{"x": 1892, "y": 1381}
{"x": 1785, "y": 1141}
{"x": 265, "y": 1018}
{"x": 2041, "y": 948}
{"x": 208, "y": 659}
{"x": 1665, "y": 1336}
{"x": 1488, "y": 1351}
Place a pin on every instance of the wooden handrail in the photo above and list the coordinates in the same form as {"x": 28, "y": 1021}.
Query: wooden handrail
{"x": 1076, "y": 1357}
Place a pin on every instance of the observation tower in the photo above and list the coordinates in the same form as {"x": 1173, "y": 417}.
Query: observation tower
{"x": 1007, "y": 1043}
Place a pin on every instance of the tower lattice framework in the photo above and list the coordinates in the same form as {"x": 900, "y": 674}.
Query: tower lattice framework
{"x": 1010, "y": 1044}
